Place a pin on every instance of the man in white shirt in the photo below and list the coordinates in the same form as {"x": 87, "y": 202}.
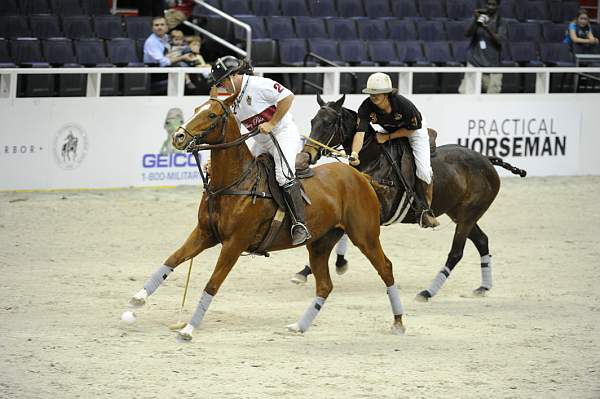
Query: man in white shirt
{"x": 264, "y": 104}
{"x": 156, "y": 46}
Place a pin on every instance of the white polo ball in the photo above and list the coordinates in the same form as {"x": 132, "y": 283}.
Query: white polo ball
{"x": 128, "y": 317}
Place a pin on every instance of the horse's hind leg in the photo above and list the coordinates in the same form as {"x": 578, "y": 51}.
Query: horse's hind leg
{"x": 363, "y": 238}
{"x": 197, "y": 241}
{"x": 318, "y": 252}
{"x": 478, "y": 237}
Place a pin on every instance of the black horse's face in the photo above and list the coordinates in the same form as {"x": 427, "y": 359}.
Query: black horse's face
{"x": 326, "y": 127}
{"x": 205, "y": 127}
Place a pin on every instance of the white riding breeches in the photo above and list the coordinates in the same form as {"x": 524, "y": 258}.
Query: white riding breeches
{"x": 419, "y": 141}
{"x": 289, "y": 142}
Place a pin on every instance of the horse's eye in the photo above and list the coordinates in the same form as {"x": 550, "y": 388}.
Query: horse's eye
{"x": 212, "y": 115}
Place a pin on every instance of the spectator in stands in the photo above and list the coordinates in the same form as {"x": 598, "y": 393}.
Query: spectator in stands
{"x": 580, "y": 36}
{"x": 195, "y": 43}
{"x": 487, "y": 33}
{"x": 157, "y": 46}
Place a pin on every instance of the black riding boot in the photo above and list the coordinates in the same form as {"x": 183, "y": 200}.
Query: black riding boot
{"x": 295, "y": 203}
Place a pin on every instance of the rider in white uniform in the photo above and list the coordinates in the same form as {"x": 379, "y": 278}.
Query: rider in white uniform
{"x": 264, "y": 104}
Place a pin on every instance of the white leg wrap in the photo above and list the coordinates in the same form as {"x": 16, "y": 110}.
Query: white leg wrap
{"x": 157, "y": 279}
{"x": 201, "y": 309}
{"x": 342, "y": 246}
{"x": 394, "y": 297}
{"x": 310, "y": 314}
{"x": 486, "y": 271}
{"x": 438, "y": 281}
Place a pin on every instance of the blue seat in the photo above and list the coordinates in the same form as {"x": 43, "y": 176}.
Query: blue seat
{"x": 294, "y": 8}
{"x": 122, "y": 52}
{"x": 455, "y": 30}
{"x": 554, "y": 32}
{"x": 518, "y": 9}
{"x": 507, "y": 9}
{"x": 199, "y": 11}
{"x": 292, "y": 51}
{"x": 29, "y": 7}
{"x": 439, "y": 53}
{"x": 431, "y": 31}
{"x": 525, "y": 54}
{"x": 405, "y": 9}
{"x": 264, "y": 52}
{"x": 14, "y": 26}
{"x": 9, "y": 7}
{"x": 556, "y": 55}
{"x": 259, "y": 30}
{"x": 432, "y": 9}
{"x": 459, "y": 51}
{"x": 402, "y": 29}
{"x": 90, "y": 52}
{"x": 138, "y": 27}
{"x": 354, "y": 52}
{"x": 326, "y": 48}
{"x": 27, "y": 52}
{"x": 378, "y": 9}
{"x": 310, "y": 28}
{"x": 237, "y": 7}
{"x": 350, "y": 8}
{"x": 322, "y": 8}
{"x": 266, "y": 7}
{"x": 6, "y": 61}
{"x": 564, "y": 11}
{"x": 67, "y": 7}
{"x": 108, "y": 26}
{"x": 59, "y": 52}
{"x": 411, "y": 52}
{"x": 280, "y": 28}
{"x": 460, "y": 9}
{"x": 341, "y": 29}
{"x": 525, "y": 31}
{"x": 383, "y": 52}
{"x": 77, "y": 27}
{"x": 372, "y": 29}
{"x": 537, "y": 10}
{"x": 45, "y": 25}
{"x": 95, "y": 7}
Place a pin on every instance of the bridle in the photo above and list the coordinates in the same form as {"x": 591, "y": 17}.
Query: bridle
{"x": 195, "y": 143}
{"x": 337, "y": 130}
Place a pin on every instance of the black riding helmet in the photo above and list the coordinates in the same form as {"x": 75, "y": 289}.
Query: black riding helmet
{"x": 228, "y": 65}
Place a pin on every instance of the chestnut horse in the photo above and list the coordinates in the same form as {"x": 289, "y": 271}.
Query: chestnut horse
{"x": 465, "y": 185}
{"x": 341, "y": 200}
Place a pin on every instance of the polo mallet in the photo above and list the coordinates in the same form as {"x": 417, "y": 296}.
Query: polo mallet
{"x": 180, "y": 324}
{"x": 332, "y": 150}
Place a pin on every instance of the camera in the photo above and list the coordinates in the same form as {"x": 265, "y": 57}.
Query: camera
{"x": 482, "y": 11}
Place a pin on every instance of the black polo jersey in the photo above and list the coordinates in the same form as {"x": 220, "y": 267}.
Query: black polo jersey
{"x": 404, "y": 115}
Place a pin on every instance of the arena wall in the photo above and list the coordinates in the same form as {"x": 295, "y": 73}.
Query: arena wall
{"x": 118, "y": 140}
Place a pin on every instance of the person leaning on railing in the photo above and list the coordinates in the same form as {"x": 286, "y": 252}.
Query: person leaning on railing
{"x": 580, "y": 36}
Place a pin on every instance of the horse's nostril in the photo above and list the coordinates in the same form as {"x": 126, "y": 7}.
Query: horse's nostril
{"x": 179, "y": 137}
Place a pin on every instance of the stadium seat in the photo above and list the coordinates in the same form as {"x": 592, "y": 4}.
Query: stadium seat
{"x": 310, "y": 28}
{"x": 6, "y": 61}
{"x": 405, "y": 9}
{"x": 219, "y": 26}
{"x": 524, "y": 31}
{"x": 411, "y": 53}
{"x": 455, "y": 30}
{"x": 108, "y": 26}
{"x": 341, "y": 28}
{"x": 14, "y": 26}
{"x": 237, "y": 7}
{"x": 402, "y": 29}
{"x": 90, "y": 52}
{"x": 199, "y": 11}
{"x": 45, "y": 25}
{"x": 536, "y": 11}
{"x": 259, "y": 30}
{"x": 439, "y": 53}
{"x": 322, "y": 8}
{"x": 562, "y": 11}
{"x": 138, "y": 27}
{"x": 354, "y": 53}
{"x": 556, "y": 55}
{"x": 431, "y": 31}
{"x": 77, "y": 27}
{"x": 96, "y": 7}
{"x": 459, "y": 51}
{"x": 59, "y": 52}
{"x": 280, "y": 28}
{"x": 122, "y": 52}
{"x": 432, "y": 9}
{"x": 554, "y": 32}
{"x": 294, "y": 8}
{"x": 29, "y": 7}
{"x": 525, "y": 54}
{"x": 460, "y": 9}
{"x": 372, "y": 29}
{"x": 292, "y": 51}
{"x": 350, "y": 8}
{"x": 378, "y": 9}
{"x": 325, "y": 48}
{"x": 27, "y": 52}
{"x": 264, "y": 52}
{"x": 266, "y": 7}
{"x": 507, "y": 10}
{"x": 67, "y": 7}
{"x": 9, "y": 7}
{"x": 384, "y": 52}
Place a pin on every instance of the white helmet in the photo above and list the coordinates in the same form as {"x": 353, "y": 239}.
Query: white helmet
{"x": 378, "y": 83}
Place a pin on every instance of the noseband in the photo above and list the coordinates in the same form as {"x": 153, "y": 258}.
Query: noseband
{"x": 337, "y": 129}
{"x": 195, "y": 142}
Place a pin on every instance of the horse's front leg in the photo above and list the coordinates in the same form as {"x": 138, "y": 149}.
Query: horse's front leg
{"x": 229, "y": 255}
{"x": 198, "y": 240}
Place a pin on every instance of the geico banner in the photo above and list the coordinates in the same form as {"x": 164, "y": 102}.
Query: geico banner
{"x": 63, "y": 143}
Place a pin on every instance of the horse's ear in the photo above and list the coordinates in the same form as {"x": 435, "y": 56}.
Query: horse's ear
{"x": 340, "y": 102}
{"x": 320, "y": 100}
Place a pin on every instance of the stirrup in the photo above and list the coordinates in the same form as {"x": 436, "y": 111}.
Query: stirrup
{"x": 425, "y": 213}
{"x": 306, "y": 234}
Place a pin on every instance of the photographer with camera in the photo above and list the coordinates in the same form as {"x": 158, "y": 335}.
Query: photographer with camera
{"x": 487, "y": 32}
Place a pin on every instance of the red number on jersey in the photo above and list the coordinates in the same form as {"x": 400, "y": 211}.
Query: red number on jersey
{"x": 278, "y": 87}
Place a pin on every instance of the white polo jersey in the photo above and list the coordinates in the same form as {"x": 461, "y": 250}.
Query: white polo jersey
{"x": 257, "y": 102}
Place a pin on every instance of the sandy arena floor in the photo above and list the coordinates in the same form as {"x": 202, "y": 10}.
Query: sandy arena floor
{"x": 70, "y": 261}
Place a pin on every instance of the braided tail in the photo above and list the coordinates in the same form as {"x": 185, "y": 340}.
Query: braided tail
{"x": 499, "y": 162}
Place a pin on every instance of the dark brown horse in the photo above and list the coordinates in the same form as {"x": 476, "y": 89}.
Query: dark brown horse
{"x": 465, "y": 185}
{"x": 342, "y": 200}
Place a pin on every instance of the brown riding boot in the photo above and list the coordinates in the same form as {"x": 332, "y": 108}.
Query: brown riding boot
{"x": 427, "y": 218}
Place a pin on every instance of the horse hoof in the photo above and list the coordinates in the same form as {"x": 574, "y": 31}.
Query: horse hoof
{"x": 423, "y": 296}
{"x": 139, "y": 299}
{"x": 398, "y": 329}
{"x": 185, "y": 334}
{"x": 341, "y": 269}
{"x": 481, "y": 291}
{"x": 294, "y": 327}
{"x": 298, "y": 279}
